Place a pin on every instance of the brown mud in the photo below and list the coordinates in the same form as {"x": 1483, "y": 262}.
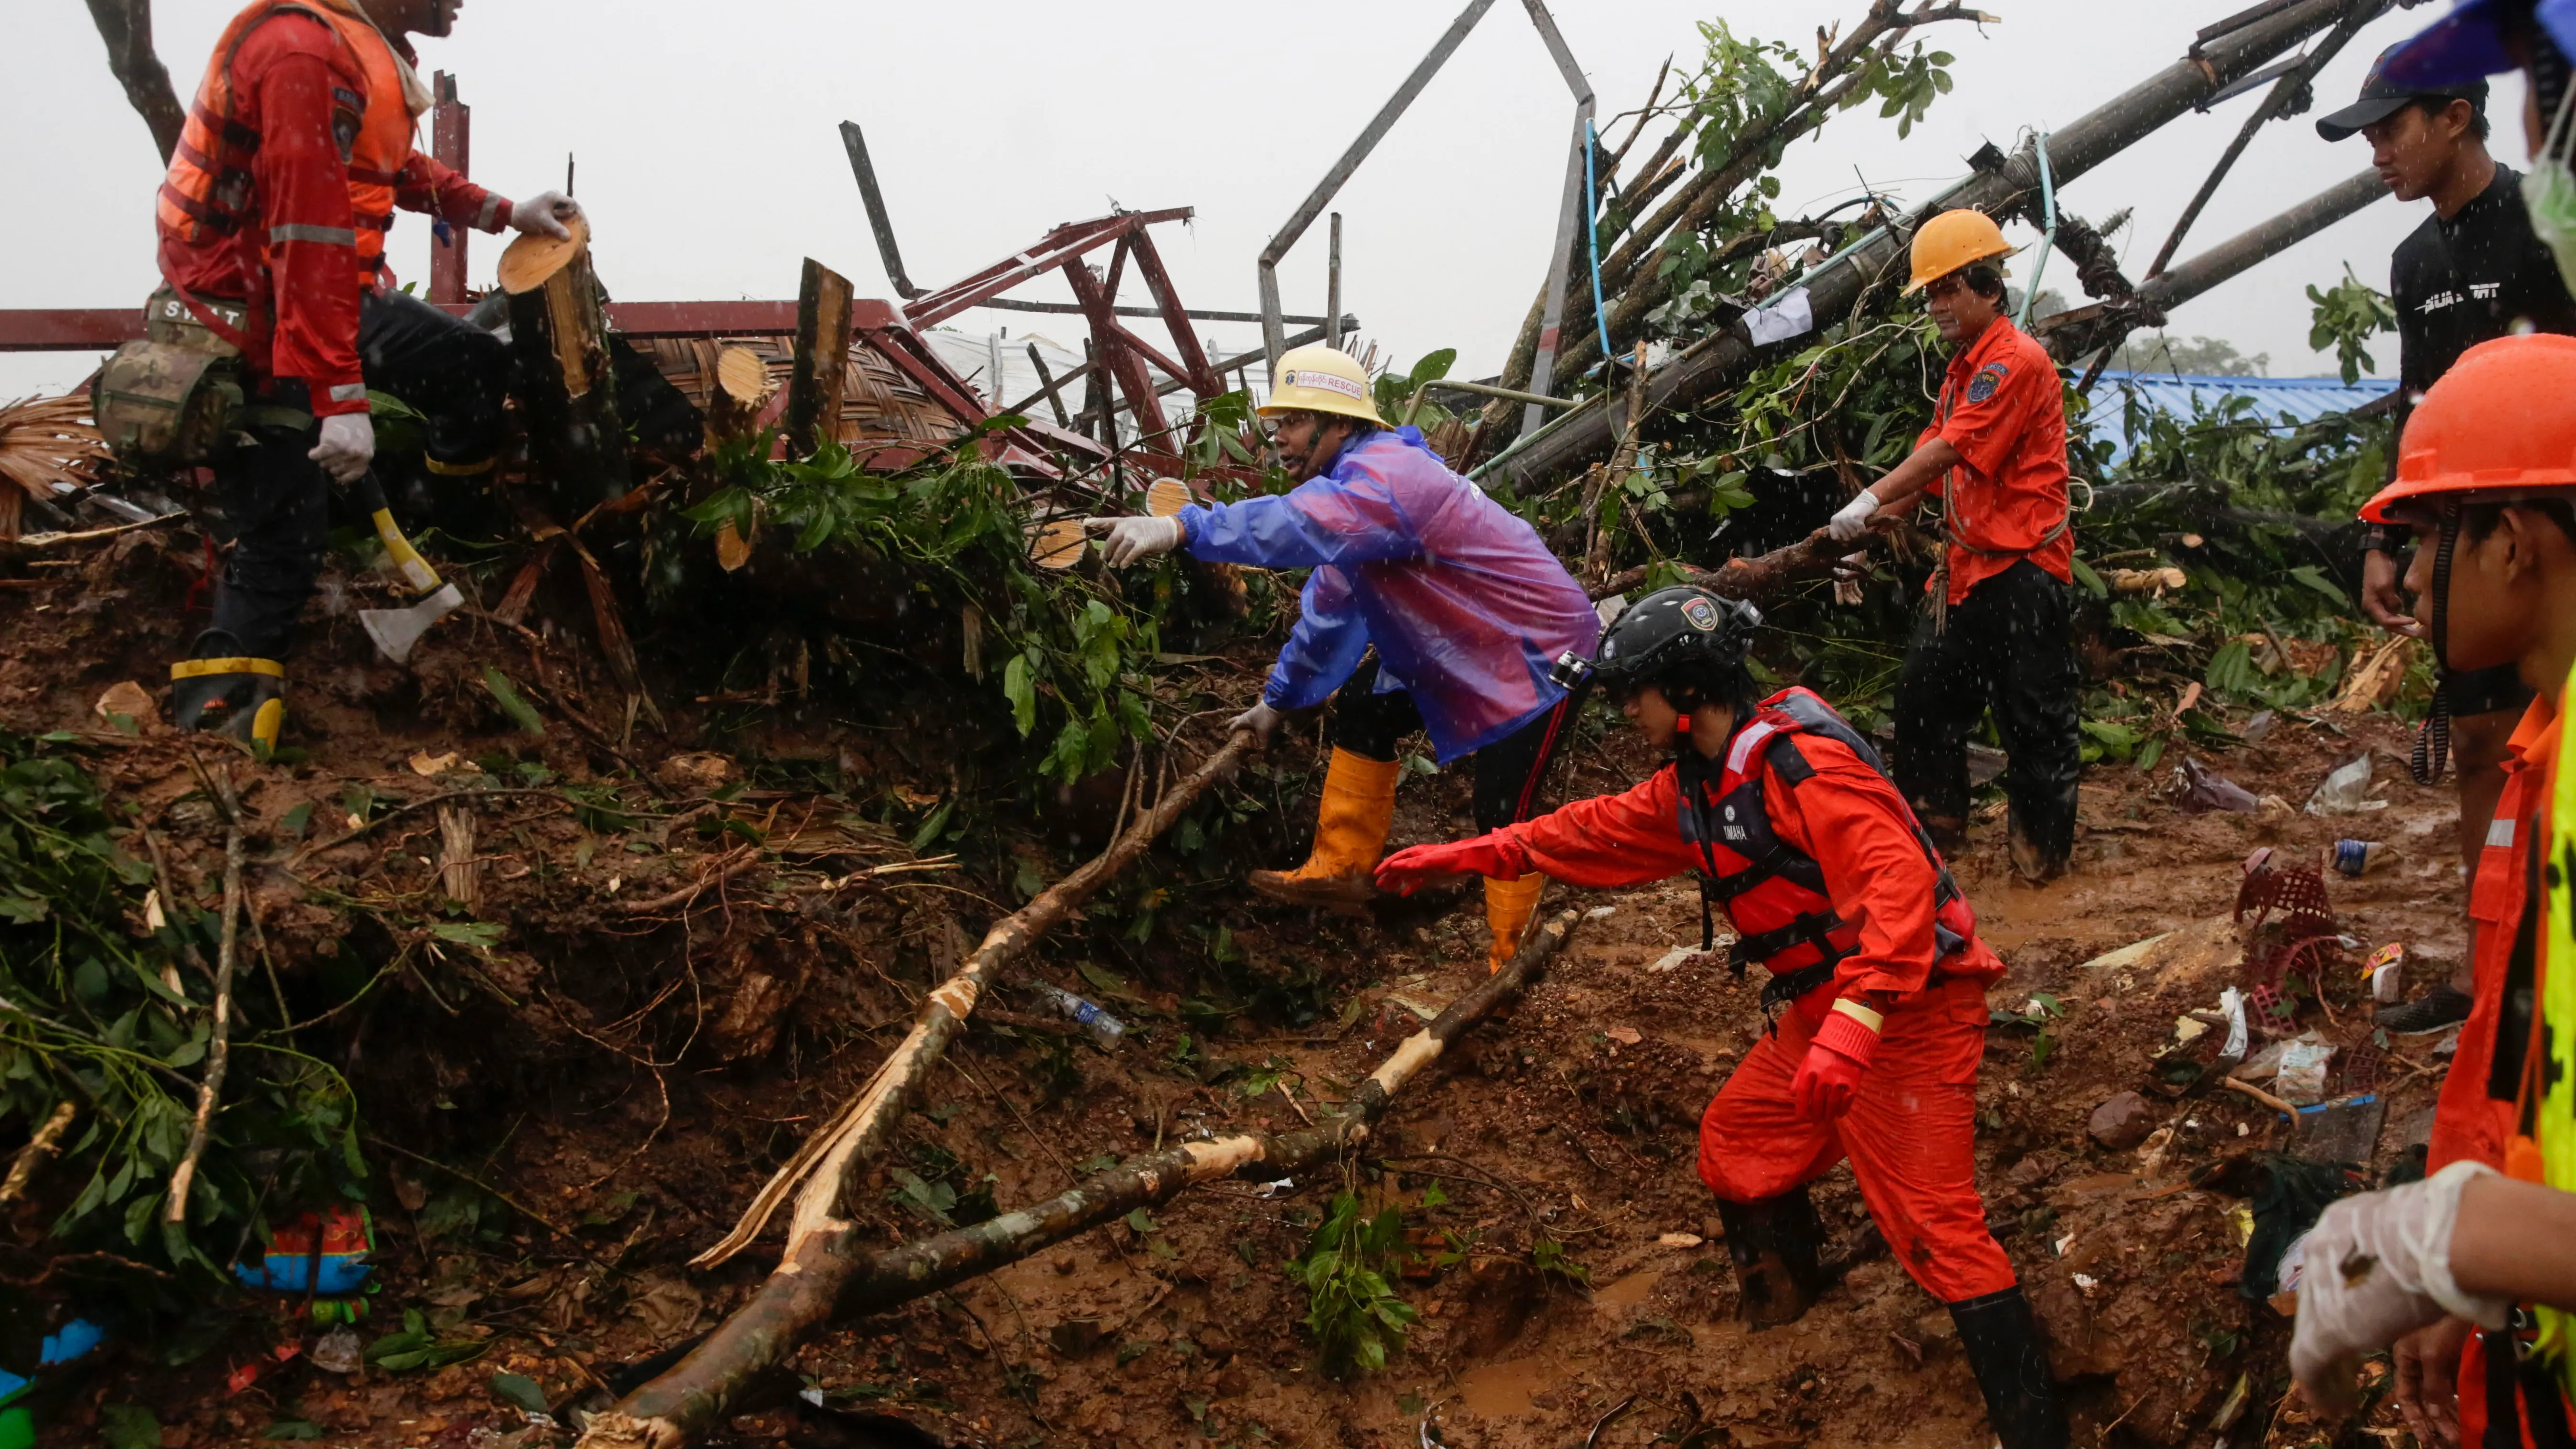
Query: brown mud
{"x": 627, "y": 1078}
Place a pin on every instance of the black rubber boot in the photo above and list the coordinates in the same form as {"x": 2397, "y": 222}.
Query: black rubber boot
{"x": 1774, "y": 1245}
{"x": 2001, "y": 1341}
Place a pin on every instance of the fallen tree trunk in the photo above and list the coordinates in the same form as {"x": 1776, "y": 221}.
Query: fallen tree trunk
{"x": 831, "y": 1276}
{"x": 830, "y": 1156}
{"x": 1750, "y": 578}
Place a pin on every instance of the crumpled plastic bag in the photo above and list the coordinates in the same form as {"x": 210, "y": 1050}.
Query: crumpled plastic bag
{"x": 2205, "y": 790}
{"x": 2346, "y": 791}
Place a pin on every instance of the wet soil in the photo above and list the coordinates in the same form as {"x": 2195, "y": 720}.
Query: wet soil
{"x": 627, "y": 1080}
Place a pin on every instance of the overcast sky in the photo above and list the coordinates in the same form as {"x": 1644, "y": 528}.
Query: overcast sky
{"x": 710, "y": 160}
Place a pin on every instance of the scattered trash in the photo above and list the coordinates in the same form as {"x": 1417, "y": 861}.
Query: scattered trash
{"x": 1674, "y": 957}
{"x": 2387, "y": 973}
{"x": 2344, "y": 1131}
{"x": 2086, "y": 1284}
{"x": 338, "y": 1351}
{"x": 291, "y": 1265}
{"x": 1281, "y": 1188}
{"x": 2302, "y": 1077}
{"x": 2204, "y": 790}
{"x": 1106, "y": 1030}
{"x": 2356, "y": 857}
{"x": 2346, "y": 790}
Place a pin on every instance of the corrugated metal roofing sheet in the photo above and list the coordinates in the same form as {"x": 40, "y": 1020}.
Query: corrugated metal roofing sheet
{"x": 2301, "y": 399}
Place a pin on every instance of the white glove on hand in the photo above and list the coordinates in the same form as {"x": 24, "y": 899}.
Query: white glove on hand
{"x": 348, "y": 446}
{"x": 1133, "y": 540}
{"x": 1261, "y": 719}
{"x": 1853, "y": 520}
{"x": 544, "y": 214}
{"x": 2378, "y": 1267}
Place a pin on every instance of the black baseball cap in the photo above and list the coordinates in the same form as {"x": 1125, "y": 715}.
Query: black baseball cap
{"x": 2382, "y": 98}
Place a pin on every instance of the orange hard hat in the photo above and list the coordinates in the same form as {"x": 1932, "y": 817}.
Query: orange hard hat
{"x": 1953, "y": 240}
{"x": 2498, "y": 425}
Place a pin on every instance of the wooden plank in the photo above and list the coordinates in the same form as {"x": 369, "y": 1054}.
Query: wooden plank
{"x": 822, "y": 358}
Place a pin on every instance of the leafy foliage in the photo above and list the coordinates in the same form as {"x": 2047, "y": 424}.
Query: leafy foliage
{"x": 2347, "y": 317}
{"x": 88, "y": 1017}
{"x": 1075, "y": 655}
{"x": 1352, "y": 1306}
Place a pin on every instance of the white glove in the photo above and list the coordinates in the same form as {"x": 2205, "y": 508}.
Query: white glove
{"x": 2377, "y": 1267}
{"x": 1853, "y": 520}
{"x": 544, "y": 214}
{"x": 348, "y": 446}
{"x": 1261, "y": 719}
{"x": 1133, "y": 540}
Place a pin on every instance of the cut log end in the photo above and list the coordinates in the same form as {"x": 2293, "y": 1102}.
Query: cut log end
{"x": 1167, "y": 497}
{"x": 1059, "y": 545}
{"x": 742, "y": 376}
{"x": 532, "y": 260}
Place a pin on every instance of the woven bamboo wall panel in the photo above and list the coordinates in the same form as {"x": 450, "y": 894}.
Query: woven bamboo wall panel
{"x": 878, "y": 403}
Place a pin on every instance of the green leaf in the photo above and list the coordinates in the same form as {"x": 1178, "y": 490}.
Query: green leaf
{"x": 932, "y": 828}
{"x": 521, "y": 1390}
{"x": 2313, "y": 577}
{"x": 1022, "y": 693}
{"x": 1106, "y": 981}
{"x": 480, "y": 935}
{"x": 129, "y": 1426}
{"x": 293, "y": 1429}
{"x": 519, "y": 710}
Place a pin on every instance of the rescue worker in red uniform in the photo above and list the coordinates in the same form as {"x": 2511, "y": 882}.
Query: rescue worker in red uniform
{"x": 1784, "y": 811}
{"x": 273, "y": 220}
{"x": 1999, "y": 633}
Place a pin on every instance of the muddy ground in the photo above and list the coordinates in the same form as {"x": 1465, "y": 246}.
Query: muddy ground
{"x": 562, "y": 1120}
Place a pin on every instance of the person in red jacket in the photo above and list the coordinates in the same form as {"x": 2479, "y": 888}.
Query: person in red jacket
{"x": 1784, "y": 811}
{"x": 273, "y": 219}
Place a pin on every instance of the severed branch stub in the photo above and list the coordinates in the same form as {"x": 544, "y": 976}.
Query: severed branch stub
{"x": 39, "y": 1150}
{"x": 831, "y": 1276}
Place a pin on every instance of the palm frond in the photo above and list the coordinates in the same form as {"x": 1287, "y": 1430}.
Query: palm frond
{"x": 45, "y": 443}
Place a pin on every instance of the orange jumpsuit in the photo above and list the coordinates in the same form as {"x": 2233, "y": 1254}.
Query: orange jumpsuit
{"x": 1910, "y": 1133}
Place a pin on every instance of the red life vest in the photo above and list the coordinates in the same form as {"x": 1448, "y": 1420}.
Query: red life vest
{"x": 1774, "y": 893}
{"x": 208, "y": 189}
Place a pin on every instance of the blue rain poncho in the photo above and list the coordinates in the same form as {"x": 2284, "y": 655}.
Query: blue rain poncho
{"x": 1467, "y": 608}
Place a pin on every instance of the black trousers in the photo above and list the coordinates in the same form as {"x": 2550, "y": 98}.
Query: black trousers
{"x": 2008, "y": 647}
{"x": 1510, "y": 773}
{"x": 277, "y": 500}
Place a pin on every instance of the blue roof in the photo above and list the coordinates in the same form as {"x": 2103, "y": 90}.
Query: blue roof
{"x": 2301, "y": 399}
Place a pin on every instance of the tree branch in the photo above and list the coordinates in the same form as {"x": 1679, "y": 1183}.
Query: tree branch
{"x": 126, "y": 26}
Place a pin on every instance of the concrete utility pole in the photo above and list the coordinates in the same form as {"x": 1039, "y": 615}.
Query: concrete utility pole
{"x": 1586, "y": 435}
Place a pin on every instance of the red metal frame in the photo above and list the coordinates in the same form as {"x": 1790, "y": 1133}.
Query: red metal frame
{"x": 451, "y": 130}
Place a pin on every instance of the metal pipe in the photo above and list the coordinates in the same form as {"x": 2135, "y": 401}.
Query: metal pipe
{"x": 1583, "y": 434}
{"x": 866, "y": 172}
{"x": 1486, "y": 389}
{"x": 1574, "y": 209}
{"x": 1074, "y": 309}
{"x": 1273, "y": 343}
{"x": 1333, "y": 284}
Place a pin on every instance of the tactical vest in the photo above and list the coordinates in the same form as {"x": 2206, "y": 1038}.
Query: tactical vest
{"x": 208, "y": 189}
{"x": 1774, "y": 893}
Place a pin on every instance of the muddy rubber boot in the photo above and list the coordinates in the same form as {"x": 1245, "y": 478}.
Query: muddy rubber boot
{"x": 1509, "y": 904}
{"x": 1350, "y": 835}
{"x": 229, "y": 694}
{"x": 1949, "y": 835}
{"x": 1773, "y": 1243}
{"x": 2001, "y": 1341}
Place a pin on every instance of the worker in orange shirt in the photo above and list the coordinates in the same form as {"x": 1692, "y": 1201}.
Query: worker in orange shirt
{"x": 1999, "y": 632}
{"x": 273, "y": 220}
{"x": 1877, "y": 974}
{"x": 2486, "y": 480}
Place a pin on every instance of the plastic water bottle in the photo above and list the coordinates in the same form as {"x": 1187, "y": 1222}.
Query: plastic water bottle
{"x": 1106, "y": 1030}
{"x": 2358, "y": 857}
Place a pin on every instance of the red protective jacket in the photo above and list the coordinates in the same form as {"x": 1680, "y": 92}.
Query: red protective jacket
{"x": 2003, "y": 408}
{"x": 1876, "y": 869}
{"x": 278, "y": 194}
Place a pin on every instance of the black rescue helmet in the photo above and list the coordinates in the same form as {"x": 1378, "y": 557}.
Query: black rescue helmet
{"x": 1683, "y": 636}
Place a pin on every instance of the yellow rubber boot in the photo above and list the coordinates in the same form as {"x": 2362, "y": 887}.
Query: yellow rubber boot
{"x": 1350, "y": 835}
{"x": 1509, "y": 904}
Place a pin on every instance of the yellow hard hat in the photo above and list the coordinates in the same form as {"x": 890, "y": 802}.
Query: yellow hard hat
{"x": 1953, "y": 240}
{"x": 1320, "y": 379}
